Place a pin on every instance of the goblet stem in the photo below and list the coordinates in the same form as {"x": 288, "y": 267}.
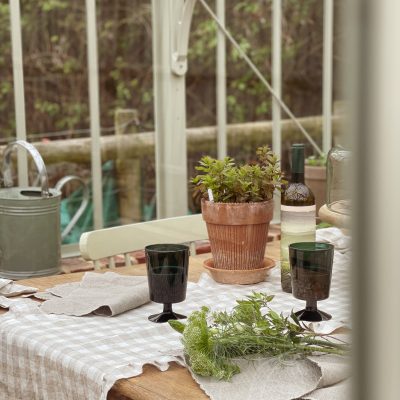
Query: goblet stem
{"x": 166, "y": 315}
{"x": 167, "y": 308}
{"x": 311, "y": 305}
{"x": 311, "y": 313}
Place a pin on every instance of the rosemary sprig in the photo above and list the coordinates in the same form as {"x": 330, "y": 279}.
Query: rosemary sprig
{"x": 213, "y": 340}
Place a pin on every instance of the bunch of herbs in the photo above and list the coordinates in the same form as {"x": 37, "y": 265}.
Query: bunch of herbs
{"x": 213, "y": 340}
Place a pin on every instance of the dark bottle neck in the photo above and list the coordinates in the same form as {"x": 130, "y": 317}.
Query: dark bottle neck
{"x": 298, "y": 177}
{"x": 298, "y": 163}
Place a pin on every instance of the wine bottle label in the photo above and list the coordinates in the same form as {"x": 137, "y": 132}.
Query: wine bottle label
{"x": 297, "y": 225}
{"x": 296, "y": 220}
{"x": 298, "y": 209}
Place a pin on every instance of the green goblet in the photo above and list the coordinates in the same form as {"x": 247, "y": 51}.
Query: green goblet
{"x": 167, "y": 273}
{"x": 311, "y": 269}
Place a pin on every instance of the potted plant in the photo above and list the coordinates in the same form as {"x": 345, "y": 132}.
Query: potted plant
{"x": 315, "y": 178}
{"x": 237, "y": 206}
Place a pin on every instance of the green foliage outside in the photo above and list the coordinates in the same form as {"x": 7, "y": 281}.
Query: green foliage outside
{"x": 316, "y": 161}
{"x": 56, "y": 76}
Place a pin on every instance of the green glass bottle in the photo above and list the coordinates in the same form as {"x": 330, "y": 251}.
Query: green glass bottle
{"x": 297, "y": 214}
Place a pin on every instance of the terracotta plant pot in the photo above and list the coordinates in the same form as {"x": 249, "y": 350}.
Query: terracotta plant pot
{"x": 315, "y": 179}
{"x": 239, "y": 276}
{"x": 238, "y": 233}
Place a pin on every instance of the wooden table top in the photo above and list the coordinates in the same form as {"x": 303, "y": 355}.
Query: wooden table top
{"x": 174, "y": 384}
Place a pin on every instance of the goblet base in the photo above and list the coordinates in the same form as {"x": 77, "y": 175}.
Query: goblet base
{"x": 165, "y": 316}
{"x": 312, "y": 315}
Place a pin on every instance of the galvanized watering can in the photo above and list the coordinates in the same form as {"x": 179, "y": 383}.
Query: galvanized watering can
{"x": 30, "y": 237}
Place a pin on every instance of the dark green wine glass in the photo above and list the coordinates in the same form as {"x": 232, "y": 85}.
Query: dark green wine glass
{"x": 167, "y": 273}
{"x": 311, "y": 270}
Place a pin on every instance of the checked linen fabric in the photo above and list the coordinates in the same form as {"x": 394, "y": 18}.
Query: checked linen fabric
{"x": 45, "y": 356}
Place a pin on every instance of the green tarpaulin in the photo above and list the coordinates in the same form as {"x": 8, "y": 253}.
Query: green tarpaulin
{"x": 85, "y": 222}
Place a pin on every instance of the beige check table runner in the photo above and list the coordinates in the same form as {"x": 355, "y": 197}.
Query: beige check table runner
{"x": 62, "y": 357}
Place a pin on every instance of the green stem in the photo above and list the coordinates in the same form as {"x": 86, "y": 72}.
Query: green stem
{"x": 324, "y": 343}
{"x": 266, "y": 345}
{"x": 327, "y": 350}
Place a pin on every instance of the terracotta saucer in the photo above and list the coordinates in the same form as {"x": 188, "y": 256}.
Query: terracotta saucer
{"x": 239, "y": 276}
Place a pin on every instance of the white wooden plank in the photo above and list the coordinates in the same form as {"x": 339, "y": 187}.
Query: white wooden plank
{"x": 94, "y": 103}
{"x": 327, "y": 77}
{"x": 376, "y": 272}
{"x": 276, "y": 74}
{"x": 222, "y": 145}
{"x": 170, "y": 110}
{"x": 122, "y": 239}
{"x": 19, "y": 91}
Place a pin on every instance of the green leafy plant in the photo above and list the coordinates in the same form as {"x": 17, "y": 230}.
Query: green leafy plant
{"x": 213, "y": 340}
{"x": 239, "y": 184}
{"x": 316, "y": 161}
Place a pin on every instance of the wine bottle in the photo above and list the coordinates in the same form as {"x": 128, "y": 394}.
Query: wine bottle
{"x": 297, "y": 214}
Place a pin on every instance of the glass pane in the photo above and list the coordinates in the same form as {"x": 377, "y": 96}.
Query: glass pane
{"x": 126, "y": 92}
{"x": 57, "y": 103}
{"x": 248, "y": 100}
{"x": 56, "y": 98}
{"x": 56, "y": 90}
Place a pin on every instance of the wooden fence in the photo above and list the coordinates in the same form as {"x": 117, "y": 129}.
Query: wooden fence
{"x": 128, "y": 149}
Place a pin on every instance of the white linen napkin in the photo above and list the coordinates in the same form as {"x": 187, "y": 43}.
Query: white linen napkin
{"x": 323, "y": 377}
{"x": 336, "y": 237}
{"x": 106, "y": 294}
{"x": 9, "y": 288}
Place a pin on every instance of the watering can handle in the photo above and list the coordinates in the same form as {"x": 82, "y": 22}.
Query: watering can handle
{"x": 37, "y": 158}
{"x": 85, "y": 201}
